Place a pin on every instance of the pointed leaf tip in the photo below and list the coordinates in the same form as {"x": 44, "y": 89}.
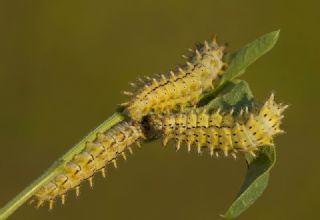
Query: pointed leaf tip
{"x": 255, "y": 182}
{"x": 240, "y": 60}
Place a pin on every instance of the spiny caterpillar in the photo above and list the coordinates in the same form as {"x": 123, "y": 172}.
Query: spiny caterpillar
{"x": 228, "y": 133}
{"x": 181, "y": 87}
{"x": 95, "y": 157}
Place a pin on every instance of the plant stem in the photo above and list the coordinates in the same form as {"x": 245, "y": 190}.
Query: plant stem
{"x": 56, "y": 167}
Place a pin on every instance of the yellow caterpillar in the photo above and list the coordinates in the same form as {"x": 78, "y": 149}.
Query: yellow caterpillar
{"x": 181, "y": 87}
{"x": 96, "y": 155}
{"x": 245, "y": 132}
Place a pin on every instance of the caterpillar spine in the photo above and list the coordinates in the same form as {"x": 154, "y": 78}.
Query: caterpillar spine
{"x": 221, "y": 132}
{"x": 181, "y": 87}
{"x": 95, "y": 157}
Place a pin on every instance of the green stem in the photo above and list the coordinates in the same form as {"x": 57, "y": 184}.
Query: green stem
{"x": 56, "y": 167}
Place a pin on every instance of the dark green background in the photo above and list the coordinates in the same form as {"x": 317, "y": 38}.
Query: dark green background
{"x": 64, "y": 63}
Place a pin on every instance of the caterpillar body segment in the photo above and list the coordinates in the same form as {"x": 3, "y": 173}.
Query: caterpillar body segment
{"x": 94, "y": 158}
{"x": 221, "y": 132}
{"x": 181, "y": 87}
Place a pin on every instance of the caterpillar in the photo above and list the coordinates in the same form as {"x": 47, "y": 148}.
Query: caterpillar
{"x": 180, "y": 87}
{"x": 222, "y": 132}
{"x": 96, "y": 155}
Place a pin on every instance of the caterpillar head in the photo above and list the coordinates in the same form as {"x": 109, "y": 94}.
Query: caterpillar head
{"x": 155, "y": 121}
{"x": 152, "y": 125}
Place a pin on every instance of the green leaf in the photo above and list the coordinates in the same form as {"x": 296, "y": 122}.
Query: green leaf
{"x": 244, "y": 57}
{"x": 235, "y": 94}
{"x": 230, "y": 93}
{"x": 255, "y": 182}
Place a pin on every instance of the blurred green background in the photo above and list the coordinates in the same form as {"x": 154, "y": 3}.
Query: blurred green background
{"x": 64, "y": 63}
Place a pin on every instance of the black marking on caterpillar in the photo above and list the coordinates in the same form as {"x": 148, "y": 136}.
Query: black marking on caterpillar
{"x": 228, "y": 133}
{"x": 178, "y": 88}
{"x": 95, "y": 157}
